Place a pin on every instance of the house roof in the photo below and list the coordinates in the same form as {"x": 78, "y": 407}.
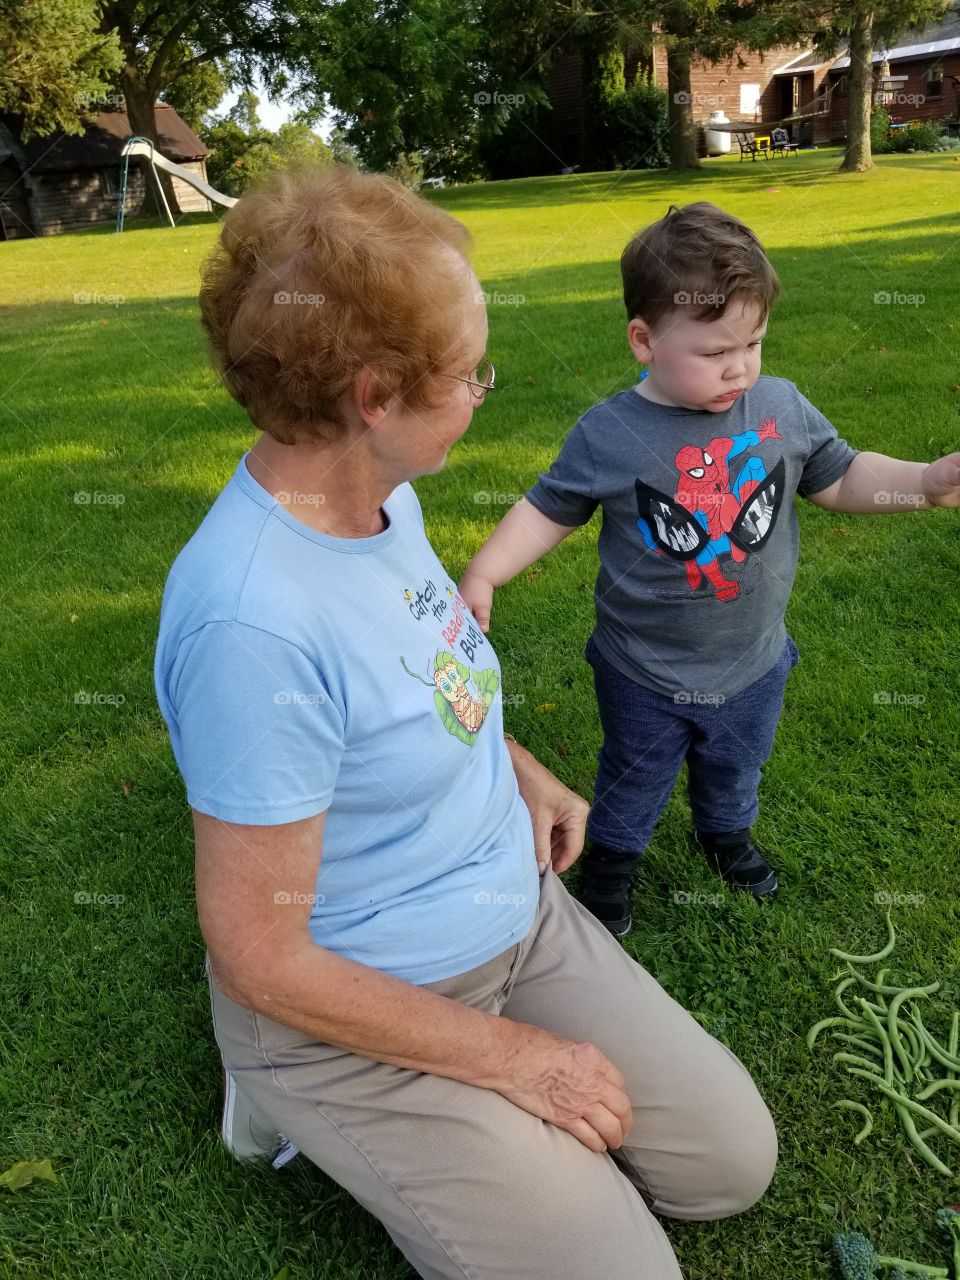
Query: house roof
{"x": 808, "y": 61}
{"x": 100, "y": 144}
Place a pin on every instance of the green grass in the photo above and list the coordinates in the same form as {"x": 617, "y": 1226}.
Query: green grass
{"x": 107, "y": 1063}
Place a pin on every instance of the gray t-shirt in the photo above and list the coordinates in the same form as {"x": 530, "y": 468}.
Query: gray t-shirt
{"x": 699, "y": 540}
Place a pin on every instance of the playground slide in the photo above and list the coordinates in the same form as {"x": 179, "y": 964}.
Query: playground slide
{"x": 160, "y": 161}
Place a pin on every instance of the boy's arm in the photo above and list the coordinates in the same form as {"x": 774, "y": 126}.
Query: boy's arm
{"x": 874, "y": 484}
{"x": 522, "y": 536}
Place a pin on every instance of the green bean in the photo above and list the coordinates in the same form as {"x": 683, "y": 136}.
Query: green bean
{"x": 880, "y": 989}
{"x": 877, "y": 955}
{"x": 847, "y": 1105}
{"x": 883, "y": 1037}
{"x": 919, "y": 1145}
{"x": 937, "y": 1085}
{"x": 829, "y": 1022}
{"x": 838, "y": 992}
{"x": 856, "y": 1060}
{"x": 917, "y": 1048}
{"x": 954, "y": 1114}
{"x": 870, "y": 1046}
{"x": 895, "y": 1096}
{"x": 936, "y": 1050}
{"x": 893, "y": 1028}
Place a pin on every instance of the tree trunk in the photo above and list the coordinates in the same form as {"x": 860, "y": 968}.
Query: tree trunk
{"x": 683, "y": 134}
{"x": 857, "y": 157}
{"x": 140, "y": 103}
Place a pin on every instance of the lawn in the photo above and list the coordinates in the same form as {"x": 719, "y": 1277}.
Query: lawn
{"x": 116, "y": 440}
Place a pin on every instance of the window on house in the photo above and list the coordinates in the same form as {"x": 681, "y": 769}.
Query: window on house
{"x": 935, "y": 81}
{"x": 110, "y": 181}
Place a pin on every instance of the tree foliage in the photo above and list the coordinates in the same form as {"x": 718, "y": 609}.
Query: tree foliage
{"x": 242, "y": 150}
{"x": 55, "y": 62}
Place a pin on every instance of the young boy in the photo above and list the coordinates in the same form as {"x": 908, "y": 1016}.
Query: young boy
{"x": 695, "y": 469}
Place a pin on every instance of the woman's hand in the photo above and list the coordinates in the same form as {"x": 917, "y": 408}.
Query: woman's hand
{"x": 478, "y": 593}
{"x": 559, "y": 815}
{"x": 571, "y": 1084}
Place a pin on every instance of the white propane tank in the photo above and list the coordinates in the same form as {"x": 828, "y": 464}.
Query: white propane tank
{"x": 717, "y": 140}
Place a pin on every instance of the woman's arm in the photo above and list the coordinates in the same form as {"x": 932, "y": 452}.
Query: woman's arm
{"x": 522, "y": 536}
{"x": 254, "y": 894}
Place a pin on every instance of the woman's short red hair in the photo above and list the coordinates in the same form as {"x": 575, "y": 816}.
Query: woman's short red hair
{"x": 319, "y": 272}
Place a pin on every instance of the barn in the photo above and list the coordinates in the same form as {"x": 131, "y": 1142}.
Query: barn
{"x": 64, "y": 182}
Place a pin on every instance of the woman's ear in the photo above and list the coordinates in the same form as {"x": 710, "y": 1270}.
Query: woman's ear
{"x": 370, "y": 398}
{"x": 639, "y": 335}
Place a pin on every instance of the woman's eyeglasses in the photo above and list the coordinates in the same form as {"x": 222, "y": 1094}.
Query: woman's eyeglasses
{"x": 481, "y": 382}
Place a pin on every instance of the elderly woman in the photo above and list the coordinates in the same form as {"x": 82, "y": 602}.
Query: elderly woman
{"x": 400, "y": 982}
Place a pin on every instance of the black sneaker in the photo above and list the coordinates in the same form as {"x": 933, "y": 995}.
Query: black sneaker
{"x": 738, "y": 860}
{"x": 605, "y": 884}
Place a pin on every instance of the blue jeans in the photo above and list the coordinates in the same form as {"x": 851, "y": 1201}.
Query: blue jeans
{"x": 647, "y": 736}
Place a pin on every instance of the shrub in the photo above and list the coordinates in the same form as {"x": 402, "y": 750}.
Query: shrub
{"x": 637, "y": 125}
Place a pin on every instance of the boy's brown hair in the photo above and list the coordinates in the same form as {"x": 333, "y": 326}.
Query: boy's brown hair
{"x": 697, "y": 257}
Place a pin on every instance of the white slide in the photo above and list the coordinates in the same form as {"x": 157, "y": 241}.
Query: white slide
{"x": 137, "y": 147}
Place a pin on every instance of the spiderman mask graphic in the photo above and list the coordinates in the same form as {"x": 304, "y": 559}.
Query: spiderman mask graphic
{"x": 711, "y": 515}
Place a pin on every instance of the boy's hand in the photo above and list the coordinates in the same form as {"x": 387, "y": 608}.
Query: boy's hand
{"x": 768, "y": 430}
{"x": 478, "y": 594}
{"x": 941, "y": 481}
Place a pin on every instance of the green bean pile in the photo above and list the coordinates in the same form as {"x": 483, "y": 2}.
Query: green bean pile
{"x": 891, "y": 1047}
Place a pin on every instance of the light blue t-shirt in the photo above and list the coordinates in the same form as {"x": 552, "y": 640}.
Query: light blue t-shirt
{"x": 299, "y": 673}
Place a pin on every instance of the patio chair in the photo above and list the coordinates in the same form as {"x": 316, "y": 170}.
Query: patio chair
{"x": 749, "y": 148}
{"x": 781, "y": 145}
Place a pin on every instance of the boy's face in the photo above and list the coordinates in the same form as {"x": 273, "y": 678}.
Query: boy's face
{"x": 699, "y": 364}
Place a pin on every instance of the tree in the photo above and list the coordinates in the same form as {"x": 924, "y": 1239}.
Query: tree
{"x": 242, "y": 150}
{"x": 279, "y": 39}
{"x": 195, "y": 93}
{"x": 55, "y": 62}
{"x": 866, "y": 25}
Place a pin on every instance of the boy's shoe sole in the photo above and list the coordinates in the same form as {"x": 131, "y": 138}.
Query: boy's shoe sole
{"x": 605, "y": 885}
{"x": 735, "y": 857}
{"x": 244, "y": 1133}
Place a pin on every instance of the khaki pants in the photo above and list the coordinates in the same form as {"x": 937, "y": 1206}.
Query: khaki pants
{"x": 472, "y": 1187}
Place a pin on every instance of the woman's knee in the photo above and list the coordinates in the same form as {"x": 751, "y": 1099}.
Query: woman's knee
{"x": 739, "y": 1165}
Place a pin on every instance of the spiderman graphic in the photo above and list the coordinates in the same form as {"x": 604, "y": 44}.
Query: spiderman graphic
{"x": 711, "y": 516}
